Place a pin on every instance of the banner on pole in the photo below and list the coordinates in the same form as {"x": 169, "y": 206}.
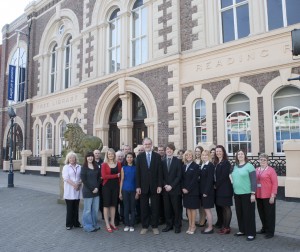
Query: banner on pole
{"x": 11, "y": 83}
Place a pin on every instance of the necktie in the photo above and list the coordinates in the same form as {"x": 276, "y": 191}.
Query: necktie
{"x": 169, "y": 163}
{"x": 148, "y": 159}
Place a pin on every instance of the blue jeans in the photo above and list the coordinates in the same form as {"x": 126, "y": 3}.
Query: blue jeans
{"x": 129, "y": 208}
{"x": 90, "y": 214}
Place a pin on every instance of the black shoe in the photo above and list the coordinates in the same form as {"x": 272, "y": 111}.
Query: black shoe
{"x": 79, "y": 226}
{"x": 262, "y": 231}
{"x": 239, "y": 234}
{"x": 167, "y": 229}
{"x": 177, "y": 230}
{"x": 268, "y": 236}
{"x": 207, "y": 232}
{"x": 250, "y": 238}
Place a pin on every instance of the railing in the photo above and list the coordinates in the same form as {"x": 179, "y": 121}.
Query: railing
{"x": 277, "y": 162}
{"x": 53, "y": 161}
{"x": 34, "y": 161}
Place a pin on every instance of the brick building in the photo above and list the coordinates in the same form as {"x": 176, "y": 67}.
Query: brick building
{"x": 184, "y": 71}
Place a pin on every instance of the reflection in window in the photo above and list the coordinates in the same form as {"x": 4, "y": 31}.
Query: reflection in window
{"x": 116, "y": 112}
{"x": 139, "y": 34}
{"x": 282, "y": 13}
{"x": 53, "y": 69}
{"x": 48, "y": 136}
{"x": 287, "y": 126}
{"x": 114, "y": 41}
{"x": 238, "y": 125}
{"x": 62, "y": 130}
{"x": 235, "y": 19}
{"x": 19, "y": 61}
{"x": 67, "y": 64}
{"x": 200, "y": 126}
{"x": 138, "y": 108}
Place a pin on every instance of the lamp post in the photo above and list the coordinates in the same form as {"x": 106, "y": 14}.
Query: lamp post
{"x": 12, "y": 116}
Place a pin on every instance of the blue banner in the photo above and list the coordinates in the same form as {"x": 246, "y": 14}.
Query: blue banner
{"x": 11, "y": 83}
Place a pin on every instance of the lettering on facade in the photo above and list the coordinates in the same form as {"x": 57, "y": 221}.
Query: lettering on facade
{"x": 237, "y": 59}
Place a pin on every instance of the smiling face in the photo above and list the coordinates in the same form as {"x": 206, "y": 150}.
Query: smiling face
{"x": 129, "y": 159}
{"x": 72, "y": 160}
{"x": 110, "y": 156}
{"x": 169, "y": 151}
{"x": 147, "y": 145}
{"x": 219, "y": 153}
{"x": 241, "y": 156}
{"x": 189, "y": 157}
{"x": 204, "y": 157}
{"x": 90, "y": 159}
{"x": 198, "y": 153}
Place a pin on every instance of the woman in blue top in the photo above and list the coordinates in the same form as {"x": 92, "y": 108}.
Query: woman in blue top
{"x": 244, "y": 187}
{"x": 128, "y": 191}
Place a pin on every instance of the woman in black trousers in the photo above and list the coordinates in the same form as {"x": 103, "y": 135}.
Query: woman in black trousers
{"x": 224, "y": 191}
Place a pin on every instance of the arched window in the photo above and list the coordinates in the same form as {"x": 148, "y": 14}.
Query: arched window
{"x": 238, "y": 124}
{"x": 17, "y": 145}
{"x": 114, "y": 42}
{"x": 48, "y": 137}
{"x": 53, "y": 69}
{"x": 67, "y": 63}
{"x": 200, "y": 126}
{"x": 286, "y": 116}
{"x": 37, "y": 140}
{"x": 62, "y": 129}
{"x": 139, "y": 39}
{"x": 19, "y": 62}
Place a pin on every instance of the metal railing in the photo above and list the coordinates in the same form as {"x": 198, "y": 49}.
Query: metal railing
{"x": 34, "y": 161}
{"x": 277, "y": 162}
{"x": 53, "y": 161}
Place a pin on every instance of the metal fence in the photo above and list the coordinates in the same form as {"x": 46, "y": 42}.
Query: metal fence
{"x": 53, "y": 161}
{"x": 277, "y": 162}
{"x": 34, "y": 161}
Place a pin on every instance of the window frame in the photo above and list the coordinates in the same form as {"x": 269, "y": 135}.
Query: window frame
{"x": 53, "y": 74}
{"x": 68, "y": 47}
{"x": 49, "y": 140}
{"x": 195, "y": 127}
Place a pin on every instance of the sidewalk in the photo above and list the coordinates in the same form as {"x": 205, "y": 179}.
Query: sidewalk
{"x": 31, "y": 220}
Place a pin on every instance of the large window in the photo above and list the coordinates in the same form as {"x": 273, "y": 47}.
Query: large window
{"x": 286, "y": 116}
{"x": 37, "y": 140}
{"x": 234, "y": 19}
{"x": 19, "y": 61}
{"x": 53, "y": 69}
{"x": 139, "y": 33}
{"x": 114, "y": 42}
{"x": 200, "y": 126}
{"x": 67, "y": 63}
{"x": 48, "y": 137}
{"x": 281, "y": 13}
{"x": 238, "y": 124}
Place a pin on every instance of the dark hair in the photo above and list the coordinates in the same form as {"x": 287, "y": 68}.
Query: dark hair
{"x": 89, "y": 154}
{"x": 171, "y": 146}
{"x": 212, "y": 149}
{"x": 200, "y": 148}
{"x": 225, "y": 157}
{"x": 133, "y": 155}
{"x": 236, "y": 156}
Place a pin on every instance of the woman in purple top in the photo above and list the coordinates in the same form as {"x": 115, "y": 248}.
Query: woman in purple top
{"x": 128, "y": 191}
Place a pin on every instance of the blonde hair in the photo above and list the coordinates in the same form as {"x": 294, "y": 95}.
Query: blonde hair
{"x": 106, "y": 155}
{"x": 207, "y": 152}
{"x": 71, "y": 154}
{"x": 187, "y": 152}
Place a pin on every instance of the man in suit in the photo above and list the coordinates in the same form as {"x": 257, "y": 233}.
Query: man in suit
{"x": 172, "y": 172}
{"x": 149, "y": 185}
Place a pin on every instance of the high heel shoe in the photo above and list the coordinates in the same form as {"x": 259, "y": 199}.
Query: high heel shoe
{"x": 109, "y": 230}
{"x": 113, "y": 227}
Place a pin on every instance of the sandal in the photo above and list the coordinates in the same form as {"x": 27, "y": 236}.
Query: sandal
{"x": 113, "y": 227}
{"x": 109, "y": 230}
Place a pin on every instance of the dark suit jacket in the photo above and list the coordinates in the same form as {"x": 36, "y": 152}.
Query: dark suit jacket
{"x": 173, "y": 176}
{"x": 207, "y": 179}
{"x": 190, "y": 179}
{"x": 148, "y": 178}
{"x": 223, "y": 183}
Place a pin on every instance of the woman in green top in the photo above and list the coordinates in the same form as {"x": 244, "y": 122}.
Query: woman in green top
{"x": 244, "y": 187}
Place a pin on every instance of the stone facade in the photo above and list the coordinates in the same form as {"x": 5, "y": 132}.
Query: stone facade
{"x": 185, "y": 62}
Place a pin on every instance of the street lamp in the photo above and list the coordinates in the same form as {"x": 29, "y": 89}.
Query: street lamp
{"x": 12, "y": 116}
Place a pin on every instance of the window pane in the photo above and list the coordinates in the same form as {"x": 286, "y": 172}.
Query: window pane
{"x": 228, "y": 25}
{"x": 112, "y": 60}
{"x": 144, "y": 21}
{"x": 275, "y": 18}
{"x": 118, "y": 58}
{"x": 137, "y": 51}
{"x": 226, "y": 3}
{"x": 137, "y": 28}
{"x": 242, "y": 13}
{"x": 292, "y": 11}
{"x": 240, "y": 1}
{"x": 112, "y": 35}
{"x": 118, "y": 32}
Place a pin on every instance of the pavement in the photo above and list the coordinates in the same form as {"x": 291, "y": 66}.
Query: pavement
{"x": 31, "y": 220}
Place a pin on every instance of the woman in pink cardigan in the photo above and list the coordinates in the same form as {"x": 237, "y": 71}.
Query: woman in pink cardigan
{"x": 266, "y": 191}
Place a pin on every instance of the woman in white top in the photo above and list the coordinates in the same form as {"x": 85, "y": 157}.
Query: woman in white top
{"x": 72, "y": 189}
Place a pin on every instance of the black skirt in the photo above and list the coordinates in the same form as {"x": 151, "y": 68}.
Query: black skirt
{"x": 110, "y": 193}
{"x": 191, "y": 201}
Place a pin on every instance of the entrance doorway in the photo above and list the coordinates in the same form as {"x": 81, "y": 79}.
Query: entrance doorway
{"x": 139, "y": 131}
{"x": 17, "y": 143}
{"x": 114, "y": 132}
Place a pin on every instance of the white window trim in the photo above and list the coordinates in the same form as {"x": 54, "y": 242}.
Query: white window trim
{"x": 55, "y": 69}
{"x": 70, "y": 65}
{"x": 194, "y": 122}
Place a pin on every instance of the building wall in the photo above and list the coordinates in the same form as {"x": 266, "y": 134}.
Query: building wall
{"x": 186, "y": 62}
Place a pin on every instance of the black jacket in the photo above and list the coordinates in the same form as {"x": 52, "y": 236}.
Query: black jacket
{"x": 173, "y": 176}
{"x": 91, "y": 180}
{"x": 190, "y": 179}
{"x": 207, "y": 179}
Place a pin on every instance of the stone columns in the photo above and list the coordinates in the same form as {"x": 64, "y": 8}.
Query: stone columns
{"x": 45, "y": 154}
{"x": 24, "y": 154}
{"x": 292, "y": 181}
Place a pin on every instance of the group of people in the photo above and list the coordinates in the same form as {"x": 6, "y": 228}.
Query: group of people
{"x": 160, "y": 181}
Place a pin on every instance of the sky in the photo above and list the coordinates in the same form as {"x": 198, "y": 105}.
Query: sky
{"x": 11, "y": 10}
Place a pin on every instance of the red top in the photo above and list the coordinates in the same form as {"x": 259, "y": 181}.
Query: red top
{"x": 106, "y": 172}
{"x": 267, "y": 183}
